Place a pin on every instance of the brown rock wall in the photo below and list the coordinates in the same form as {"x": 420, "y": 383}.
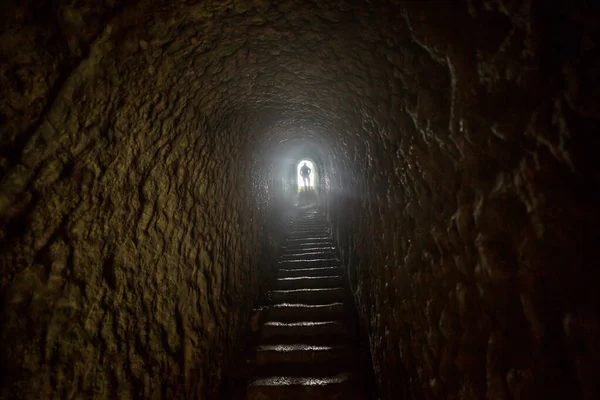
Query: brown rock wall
{"x": 471, "y": 260}
{"x": 131, "y": 235}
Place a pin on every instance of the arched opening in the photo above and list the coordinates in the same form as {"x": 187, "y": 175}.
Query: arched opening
{"x": 306, "y": 182}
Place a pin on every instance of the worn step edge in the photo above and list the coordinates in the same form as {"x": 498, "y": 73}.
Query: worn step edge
{"x": 309, "y": 296}
{"x": 307, "y": 255}
{"x": 308, "y": 282}
{"x": 323, "y": 368}
{"x": 300, "y": 329}
{"x": 301, "y": 311}
{"x": 321, "y": 262}
{"x": 300, "y": 353}
{"x": 309, "y": 247}
{"x": 317, "y": 271}
{"x": 277, "y": 381}
{"x": 316, "y": 238}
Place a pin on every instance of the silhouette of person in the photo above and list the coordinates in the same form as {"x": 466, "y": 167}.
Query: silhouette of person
{"x": 305, "y": 172}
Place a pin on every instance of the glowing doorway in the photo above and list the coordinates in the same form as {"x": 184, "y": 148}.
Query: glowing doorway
{"x": 311, "y": 177}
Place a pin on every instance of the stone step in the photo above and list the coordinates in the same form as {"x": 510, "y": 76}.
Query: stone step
{"x": 317, "y": 271}
{"x": 308, "y": 232}
{"x": 308, "y": 239}
{"x": 292, "y": 331}
{"x": 347, "y": 340}
{"x": 319, "y": 262}
{"x": 302, "y": 247}
{"x": 309, "y": 296}
{"x": 321, "y": 239}
{"x": 300, "y": 353}
{"x": 305, "y": 282}
{"x": 309, "y": 247}
{"x": 310, "y": 225}
{"x": 306, "y": 312}
{"x": 324, "y": 368}
{"x": 303, "y": 227}
{"x": 307, "y": 255}
{"x": 308, "y": 235}
{"x": 341, "y": 386}
{"x": 310, "y": 228}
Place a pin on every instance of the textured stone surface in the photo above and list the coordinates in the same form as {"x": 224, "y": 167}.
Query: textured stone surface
{"x": 471, "y": 240}
{"x": 141, "y": 153}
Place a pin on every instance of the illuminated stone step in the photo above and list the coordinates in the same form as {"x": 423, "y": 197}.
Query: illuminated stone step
{"x": 301, "y": 353}
{"x": 324, "y": 330}
{"x": 340, "y": 386}
{"x": 309, "y": 247}
{"x": 308, "y": 239}
{"x": 299, "y": 311}
{"x": 308, "y": 254}
{"x": 318, "y": 271}
{"x": 302, "y": 282}
{"x": 319, "y": 262}
{"x": 308, "y": 296}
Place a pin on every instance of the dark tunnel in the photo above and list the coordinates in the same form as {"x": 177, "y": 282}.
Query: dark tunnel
{"x": 148, "y": 183}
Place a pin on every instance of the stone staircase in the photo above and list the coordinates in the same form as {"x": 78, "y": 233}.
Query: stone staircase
{"x": 308, "y": 346}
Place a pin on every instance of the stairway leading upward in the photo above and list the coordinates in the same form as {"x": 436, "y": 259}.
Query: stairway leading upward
{"x": 308, "y": 346}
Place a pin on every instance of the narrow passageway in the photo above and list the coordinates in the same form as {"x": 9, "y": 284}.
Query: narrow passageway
{"x": 309, "y": 345}
{"x": 151, "y": 157}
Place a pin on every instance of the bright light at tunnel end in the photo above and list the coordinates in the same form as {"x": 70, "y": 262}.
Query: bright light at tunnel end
{"x": 311, "y": 177}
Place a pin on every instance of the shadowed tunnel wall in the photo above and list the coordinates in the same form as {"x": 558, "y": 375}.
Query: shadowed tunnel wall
{"x": 140, "y": 206}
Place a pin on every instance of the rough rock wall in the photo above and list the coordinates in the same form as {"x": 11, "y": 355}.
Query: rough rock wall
{"x": 470, "y": 243}
{"x": 131, "y": 226}
{"x": 133, "y": 144}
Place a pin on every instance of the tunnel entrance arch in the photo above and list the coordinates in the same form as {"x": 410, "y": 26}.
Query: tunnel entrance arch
{"x": 310, "y": 182}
